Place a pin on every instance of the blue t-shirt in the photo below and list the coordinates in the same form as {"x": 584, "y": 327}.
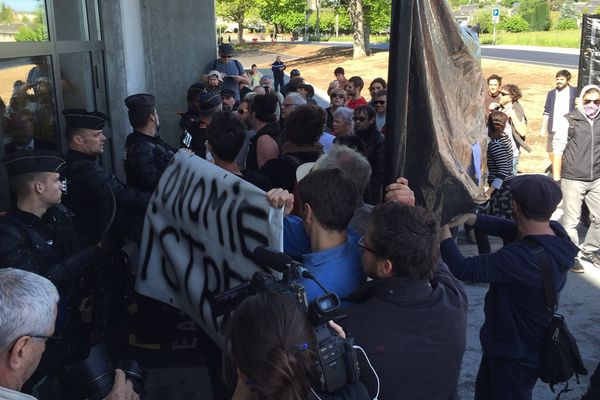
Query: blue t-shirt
{"x": 233, "y": 67}
{"x": 338, "y": 269}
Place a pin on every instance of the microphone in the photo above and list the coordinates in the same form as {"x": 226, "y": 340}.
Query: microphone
{"x": 274, "y": 259}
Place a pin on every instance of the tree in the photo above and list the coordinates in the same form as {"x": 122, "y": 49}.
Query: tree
{"x": 6, "y": 13}
{"x": 536, "y": 13}
{"x": 355, "y": 10}
{"x": 284, "y": 14}
{"x": 236, "y": 11}
{"x": 567, "y": 11}
{"x": 516, "y": 24}
{"x": 28, "y": 34}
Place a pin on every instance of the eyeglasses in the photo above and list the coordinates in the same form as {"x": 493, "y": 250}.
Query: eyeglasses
{"x": 53, "y": 337}
{"x": 288, "y": 105}
{"x": 338, "y": 96}
{"x": 588, "y": 101}
{"x": 223, "y": 56}
{"x": 359, "y": 119}
{"x": 363, "y": 245}
{"x": 504, "y": 93}
{"x": 380, "y": 102}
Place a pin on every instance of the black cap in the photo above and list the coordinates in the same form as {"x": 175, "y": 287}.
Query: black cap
{"x": 80, "y": 118}
{"x": 294, "y": 73}
{"x": 208, "y": 101}
{"x": 537, "y": 195}
{"x": 225, "y": 49}
{"x": 227, "y": 93}
{"x": 142, "y": 103}
{"x": 194, "y": 90}
{"x": 23, "y": 162}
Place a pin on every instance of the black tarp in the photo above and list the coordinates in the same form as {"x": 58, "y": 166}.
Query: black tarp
{"x": 435, "y": 117}
{"x": 589, "y": 60}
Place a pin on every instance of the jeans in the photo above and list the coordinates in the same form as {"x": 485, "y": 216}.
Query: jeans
{"x": 502, "y": 378}
{"x": 574, "y": 192}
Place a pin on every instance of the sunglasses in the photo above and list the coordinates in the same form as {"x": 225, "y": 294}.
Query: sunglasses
{"x": 588, "y": 101}
{"x": 504, "y": 93}
{"x": 241, "y": 110}
{"x": 380, "y": 102}
{"x": 226, "y": 56}
{"x": 338, "y": 96}
{"x": 360, "y": 119}
{"x": 363, "y": 245}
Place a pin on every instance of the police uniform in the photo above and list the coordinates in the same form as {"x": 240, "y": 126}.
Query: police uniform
{"x": 146, "y": 156}
{"x": 89, "y": 187}
{"x": 194, "y": 135}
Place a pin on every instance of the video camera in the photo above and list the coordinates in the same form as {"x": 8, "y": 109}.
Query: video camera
{"x": 337, "y": 362}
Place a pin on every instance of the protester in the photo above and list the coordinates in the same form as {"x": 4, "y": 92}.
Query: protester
{"x": 195, "y": 139}
{"x": 304, "y": 127}
{"x": 232, "y": 70}
{"x": 320, "y": 238}
{"x": 228, "y": 100}
{"x": 376, "y": 85}
{"x": 263, "y": 146}
{"x": 226, "y": 136}
{"x": 516, "y": 313}
{"x": 289, "y": 87}
{"x": 255, "y": 76}
{"x": 576, "y": 168}
{"x": 337, "y": 99}
{"x": 491, "y": 99}
{"x": 379, "y": 103}
{"x": 147, "y": 155}
{"x": 509, "y": 104}
{"x": 353, "y": 88}
{"x": 358, "y": 169}
{"x": 417, "y": 352}
{"x": 339, "y": 82}
{"x": 308, "y": 92}
{"x": 559, "y": 102}
{"x": 277, "y": 68}
{"x": 343, "y": 122}
{"x": 28, "y": 311}
{"x": 365, "y": 128}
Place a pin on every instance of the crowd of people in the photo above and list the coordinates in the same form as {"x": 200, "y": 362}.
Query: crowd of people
{"x": 396, "y": 269}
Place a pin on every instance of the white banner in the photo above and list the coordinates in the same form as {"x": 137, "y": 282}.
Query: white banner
{"x": 200, "y": 229}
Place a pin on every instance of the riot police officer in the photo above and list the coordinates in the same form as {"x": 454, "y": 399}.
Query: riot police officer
{"x": 88, "y": 182}
{"x": 147, "y": 154}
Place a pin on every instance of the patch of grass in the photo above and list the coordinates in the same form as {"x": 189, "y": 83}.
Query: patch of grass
{"x": 569, "y": 39}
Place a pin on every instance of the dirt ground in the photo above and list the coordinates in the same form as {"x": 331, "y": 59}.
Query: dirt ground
{"x": 317, "y": 62}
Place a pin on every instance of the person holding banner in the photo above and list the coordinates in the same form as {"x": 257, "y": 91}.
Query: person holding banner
{"x": 321, "y": 238}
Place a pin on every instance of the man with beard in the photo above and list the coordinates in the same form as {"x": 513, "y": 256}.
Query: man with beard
{"x": 353, "y": 89}
{"x": 492, "y": 96}
{"x": 365, "y": 128}
{"x": 147, "y": 155}
{"x": 559, "y": 102}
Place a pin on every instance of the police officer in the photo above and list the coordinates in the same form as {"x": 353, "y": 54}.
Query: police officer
{"x": 39, "y": 235}
{"x": 147, "y": 155}
{"x": 194, "y": 137}
{"x": 88, "y": 182}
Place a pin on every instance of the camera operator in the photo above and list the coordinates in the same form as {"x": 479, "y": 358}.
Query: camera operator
{"x": 272, "y": 345}
{"x": 28, "y": 308}
{"x": 411, "y": 317}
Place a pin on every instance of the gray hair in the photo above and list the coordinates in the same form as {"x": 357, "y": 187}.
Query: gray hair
{"x": 345, "y": 114}
{"x": 296, "y": 98}
{"x": 27, "y": 304}
{"x": 265, "y": 78}
{"x": 351, "y": 162}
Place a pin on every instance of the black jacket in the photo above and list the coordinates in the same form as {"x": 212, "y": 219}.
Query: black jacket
{"x": 414, "y": 333}
{"x": 51, "y": 246}
{"x": 272, "y": 130}
{"x": 194, "y": 133}
{"x": 146, "y": 159}
{"x": 581, "y": 158}
{"x": 374, "y": 142}
{"x": 86, "y": 180}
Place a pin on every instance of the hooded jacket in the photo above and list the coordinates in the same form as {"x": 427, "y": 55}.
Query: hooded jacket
{"x": 577, "y": 140}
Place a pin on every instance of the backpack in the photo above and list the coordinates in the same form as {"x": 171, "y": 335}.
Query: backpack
{"x": 560, "y": 358}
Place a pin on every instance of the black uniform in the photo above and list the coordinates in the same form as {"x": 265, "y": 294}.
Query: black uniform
{"x": 146, "y": 159}
{"x": 194, "y": 133}
{"x": 87, "y": 181}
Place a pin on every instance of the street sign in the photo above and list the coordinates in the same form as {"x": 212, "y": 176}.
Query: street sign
{"x": 495, "y": 15}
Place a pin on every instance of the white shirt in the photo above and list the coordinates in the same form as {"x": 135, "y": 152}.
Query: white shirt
{"x": 561, "y": 106}
{"x": 7, "y": 394}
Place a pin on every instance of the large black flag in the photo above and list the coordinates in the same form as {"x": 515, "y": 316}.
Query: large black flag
{"x": 435, "y": 128}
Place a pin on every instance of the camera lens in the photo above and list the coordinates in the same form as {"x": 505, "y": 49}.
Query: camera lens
{"x": 134, "y": 373}
{"x": 94, "y": 376}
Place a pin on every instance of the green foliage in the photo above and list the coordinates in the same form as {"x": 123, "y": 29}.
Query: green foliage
{"x": 483, "y": 17}
{"x": 567, "y": 11}
{"x": 566, "y": 39}
{"x": 6, "y": 13}
{"x": 233, "y": 10}
{"x": 515, "y": 24}
{"x": 507, "y": 3}
{"x": 378, "y": 14}
{"x": 284, "y": 12}
{"x": 28, "y": 34}
{"x": 536, "y": 13}
{"x": 566, "y": 24}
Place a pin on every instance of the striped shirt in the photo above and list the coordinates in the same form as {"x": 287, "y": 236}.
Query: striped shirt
{"x": 499, "y": 161}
